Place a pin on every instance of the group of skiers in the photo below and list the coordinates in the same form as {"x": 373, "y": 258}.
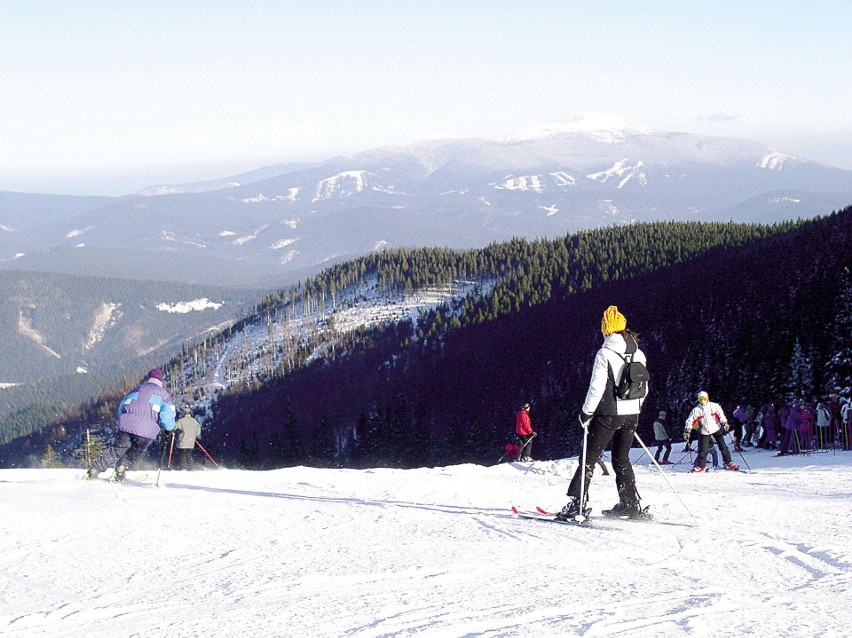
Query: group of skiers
{"x": 797, "y": 426}
{"x": 142, "y": 414}
{"x": 610, "y": 415}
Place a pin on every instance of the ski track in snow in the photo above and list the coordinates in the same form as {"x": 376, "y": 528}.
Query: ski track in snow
{"x": 434, "y": 552}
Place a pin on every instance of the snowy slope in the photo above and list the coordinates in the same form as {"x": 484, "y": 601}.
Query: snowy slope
{"x": 431, "y": 552}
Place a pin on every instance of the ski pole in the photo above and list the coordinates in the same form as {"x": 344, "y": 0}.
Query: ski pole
{"x": 642, "y": 443}
{"x": 208, "y": 455}
{"x": 160, "y": 467}
{"x": 680, "y": 460}
{"x": 171, "y": 449}
{"x": 582, "y": 516}
{"x": 528, "y": 441}
{"x": 742, "y": 457}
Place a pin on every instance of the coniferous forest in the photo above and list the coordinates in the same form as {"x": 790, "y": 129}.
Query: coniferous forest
{"x": 746, "y": 312}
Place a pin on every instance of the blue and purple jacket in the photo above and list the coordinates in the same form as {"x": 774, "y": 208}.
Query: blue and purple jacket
{"x": 145, "y": 409}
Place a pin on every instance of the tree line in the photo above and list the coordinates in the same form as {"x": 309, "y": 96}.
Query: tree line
{"x": 707, "y": 298}
{"x": 721, "y": 307}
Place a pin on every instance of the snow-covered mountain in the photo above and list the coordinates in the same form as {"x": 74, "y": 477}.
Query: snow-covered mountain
{"x": 448, "y": 192}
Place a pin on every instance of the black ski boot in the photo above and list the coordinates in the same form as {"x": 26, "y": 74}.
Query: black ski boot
{"x": 572, "y": 510}
{"x": 634, "y": 511}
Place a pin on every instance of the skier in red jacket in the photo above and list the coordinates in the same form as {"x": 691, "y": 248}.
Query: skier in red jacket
{"x": 525, "y": 432}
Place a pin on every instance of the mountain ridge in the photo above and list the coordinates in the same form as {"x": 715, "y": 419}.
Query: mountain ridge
{"x": 459, "y": 193}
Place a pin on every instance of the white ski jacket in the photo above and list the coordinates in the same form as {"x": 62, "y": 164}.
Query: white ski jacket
{"x": 601, "y": 392}
{"x": 709, "y": 417}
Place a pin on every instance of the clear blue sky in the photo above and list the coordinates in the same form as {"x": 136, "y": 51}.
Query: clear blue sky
{"x": 109, "y": 96}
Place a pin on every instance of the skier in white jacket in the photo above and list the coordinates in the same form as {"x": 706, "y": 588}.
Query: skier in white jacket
{"x": 712, "y": 422}
{"x": 609, "y": 419}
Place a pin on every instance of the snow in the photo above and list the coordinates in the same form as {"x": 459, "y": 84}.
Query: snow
{"x": 183, "y": 307}
{"x": 283, "y": 243}
{"x": 341, "y": 185}
{"x": 106, "y": 317}
{"x": 28, "y": 331}
{"x": 76, "y": 233}
{"x": 563, "y": 179}
{"x": 522, "y": 183}
{"x": 774, "y": 161}
{"x": 786, "y": 200}
{"x": 603, "y": 127}
{"x": 624, "y": 171}
{"x": 608, "y": 206}
{"x": 250, "y": 237}
{"x": 432, "y": 552}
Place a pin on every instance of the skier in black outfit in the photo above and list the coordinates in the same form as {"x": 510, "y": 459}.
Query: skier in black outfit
{"x": 609, "y": 419}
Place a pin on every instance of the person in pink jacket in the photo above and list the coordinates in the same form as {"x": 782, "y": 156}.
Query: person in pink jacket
{"x": 791, "y": 443}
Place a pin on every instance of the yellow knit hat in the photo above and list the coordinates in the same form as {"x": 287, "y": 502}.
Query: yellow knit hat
{"x": 613, "y": 321}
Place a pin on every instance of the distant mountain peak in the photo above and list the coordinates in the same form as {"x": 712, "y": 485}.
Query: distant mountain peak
{"x": 601, "y": 126}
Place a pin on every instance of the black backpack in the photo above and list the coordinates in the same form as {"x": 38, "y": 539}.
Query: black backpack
{"x": 634, "y": 381}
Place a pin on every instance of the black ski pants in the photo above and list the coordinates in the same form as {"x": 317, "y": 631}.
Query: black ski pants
{"x": 127, "y": 449}
{"x": 664, "y": 443}
{"x": 602, "y": 430}
{"x": 524, "y": 446}
{"x": 185, "y": 460}
{"x": 719, "y": 437}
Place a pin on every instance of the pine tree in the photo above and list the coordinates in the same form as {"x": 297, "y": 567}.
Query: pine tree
{"x": 50, "y": 458}
{"x": 801, "y": 373}
{"x": 838, "y": 369}
{"x": 92, "y": 447}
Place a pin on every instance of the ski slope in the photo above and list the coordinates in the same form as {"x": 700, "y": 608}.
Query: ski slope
{"x": 427, "y": 552}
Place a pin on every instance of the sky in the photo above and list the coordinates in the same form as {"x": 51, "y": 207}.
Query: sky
{"x": 428, "y": 552}
{"x": 105, "y": 98}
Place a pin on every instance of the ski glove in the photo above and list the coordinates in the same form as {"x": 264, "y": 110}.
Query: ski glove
{"x": 686, "y": 435}
{"x": 585, "y": 419}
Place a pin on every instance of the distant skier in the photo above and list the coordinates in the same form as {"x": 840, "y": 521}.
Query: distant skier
{"x": 748, "y": 426}
{"x": 141, "y": 413}
{"x": 609, "y": 419}
{"x": 710, "y": 418}
{"x": 770, "y": 425}
{"x": 662, "y": 438}
{"x": 187, "y": 429}
{"x": 525, "y": 432}
{"x": 793, "y": 423}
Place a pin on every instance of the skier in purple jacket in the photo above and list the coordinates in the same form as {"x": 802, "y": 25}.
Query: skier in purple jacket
{"x": 141, "y": 414}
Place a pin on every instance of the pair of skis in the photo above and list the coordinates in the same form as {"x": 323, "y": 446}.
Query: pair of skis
{"x": 599, "y": 521}
{"x": 543, "y": 515}
{"x": 131, "y": 476}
